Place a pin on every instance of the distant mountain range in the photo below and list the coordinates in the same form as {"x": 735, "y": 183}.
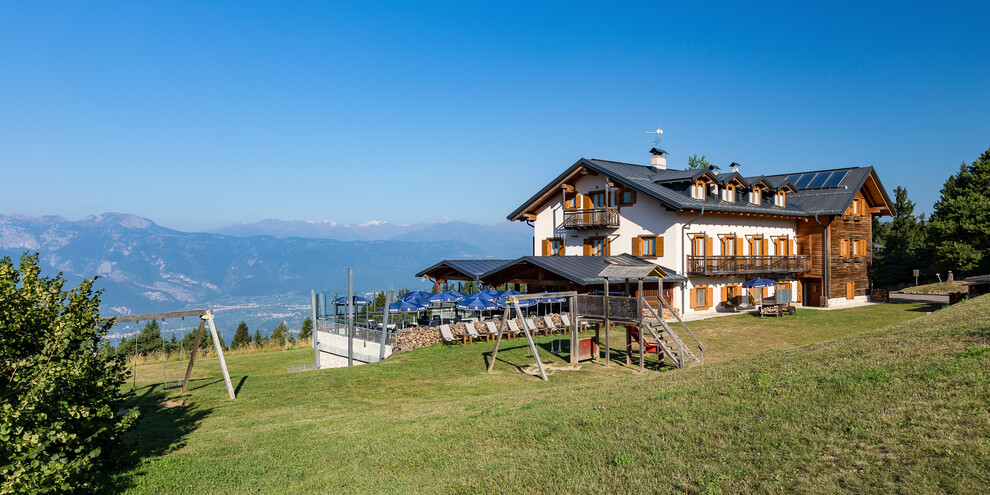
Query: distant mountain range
{"x": 148, "y": 268}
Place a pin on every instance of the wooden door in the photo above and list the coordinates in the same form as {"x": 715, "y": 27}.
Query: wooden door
{"x": 814, "y": 294}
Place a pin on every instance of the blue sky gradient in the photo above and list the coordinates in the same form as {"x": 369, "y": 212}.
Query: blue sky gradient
{"x": 199, "y": 115}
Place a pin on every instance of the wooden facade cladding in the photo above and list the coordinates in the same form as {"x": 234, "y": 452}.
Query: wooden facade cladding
{"x": 809, "y": 242}
{"x": 846, "y": 264}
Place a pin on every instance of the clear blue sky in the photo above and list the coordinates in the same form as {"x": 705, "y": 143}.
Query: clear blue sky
{"x": 199, "y": 114}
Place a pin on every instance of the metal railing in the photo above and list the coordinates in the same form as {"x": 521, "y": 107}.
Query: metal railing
{"x": 592, "y": 218}
{"x": 361, "y": 331}
{"x": 732, "y": 265}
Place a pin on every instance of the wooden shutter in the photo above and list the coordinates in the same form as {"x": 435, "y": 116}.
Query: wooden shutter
{"x": 798, "y": 292}
{"x": 659, "y": 245}
{"x": 607, "y": 246}
{"x": 587, "y": 204}
{"x": 844, "y": 248}
{"x": 763, "y": 293}
{"x": 637, "y": 246}
{"x": 752, "y": 296}
{"x": 793, "y": 248}
{"x": 587, "y": 247}
{"x": 739, "y": 246}
{"x": 725, "y": 296}
{"x": 546, "y": 247}
{"x": 693, "y": 298}
{"x": 710, "y": 297}
{"x": 766, "y": 242}
{"x": 850, "y": 290}
{"x": 708, "y": 246}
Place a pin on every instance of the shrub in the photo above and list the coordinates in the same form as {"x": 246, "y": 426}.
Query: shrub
{"x": 59, "y": 399}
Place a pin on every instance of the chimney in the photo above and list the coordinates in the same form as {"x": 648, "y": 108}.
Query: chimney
{"x": 659, "y": 159}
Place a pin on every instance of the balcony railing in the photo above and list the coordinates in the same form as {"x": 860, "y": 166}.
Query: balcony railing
{"x": 733, "y": 265}
{"x": 592, "y": 218}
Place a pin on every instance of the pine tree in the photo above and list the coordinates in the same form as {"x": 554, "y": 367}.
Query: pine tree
{"x": 306, "y": 330}
{"x": 257, "y": 338}
{"x": 278, "y": 335}
{"x": 905, "y": 247}
{"x": 960, "y": 226}
{"x": 242, "y": 337}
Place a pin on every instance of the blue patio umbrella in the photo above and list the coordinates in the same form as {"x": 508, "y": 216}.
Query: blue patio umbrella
{"x": 477, "y": 304}
{"x": 552, "y": 300}
{"x": 447, "y": 296}
{"x": 482, "y": 295}
{"x": 403, "y": 307}
{"x": 757, "y": 283}
{"x": 491, "y": 292}
{"x": 503, "y": 301}
{"x": 416, "y": 294}
{"x": 509, "y": 292}
{"x": 423, "y": 303}
{"x": 358, "y": 301}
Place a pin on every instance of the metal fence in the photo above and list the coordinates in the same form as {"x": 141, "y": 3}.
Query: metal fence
{"x": 301, "y": 367}
{"x": 361, "y": 331}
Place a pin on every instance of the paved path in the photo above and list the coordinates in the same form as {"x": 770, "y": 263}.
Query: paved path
{"x": 898, "y": 297}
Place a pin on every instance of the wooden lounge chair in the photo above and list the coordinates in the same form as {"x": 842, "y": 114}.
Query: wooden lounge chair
{"x": 492, "y": 328}
{"x": 471, "y": 332}
{"x": 447, "y": 335}
{"x": 566, "y": 322}
{"x": 551, "y": 328}
{"x": 513, "y": 328}
{"x": 530, "y": 325}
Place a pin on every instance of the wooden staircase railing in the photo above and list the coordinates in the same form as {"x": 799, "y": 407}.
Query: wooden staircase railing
{"x": 684, "y": 351}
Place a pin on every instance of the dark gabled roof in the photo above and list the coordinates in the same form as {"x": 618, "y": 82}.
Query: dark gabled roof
{"x": 469, "y": 269}
{"x": 728, "y": 176}
{"x": 654, "y": 183}
{"x": 582, "y": 270}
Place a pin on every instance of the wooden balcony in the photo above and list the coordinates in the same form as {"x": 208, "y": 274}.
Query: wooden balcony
{"x": 592, "y": 218}
{"x": 754, "y": 265}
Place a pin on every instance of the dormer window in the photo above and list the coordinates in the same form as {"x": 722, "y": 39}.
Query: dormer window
{"x": 730, "y": 194}
{"x": 698, "y": 190}
{"x": 779, "y": 198}
{"x": 755, "y": 196}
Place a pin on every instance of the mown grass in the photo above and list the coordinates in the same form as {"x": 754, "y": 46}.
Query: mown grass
{"x": 938, "y": 287}
{"x": 902, "y": 409}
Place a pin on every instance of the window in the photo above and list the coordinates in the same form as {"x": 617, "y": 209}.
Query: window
{"x": 730, "y": 193}
{"x": 756, "y": 246}
{"x": 857, "y": 208}
{"x": 596, "y": 246}
{"x": 626, "y": 197}
{"x": 782, "y": 245}
{"x": 729, "y": 245}
{"x": 553, "y": 247}
{"x": 779, "y": 199}
{"x": 647, "y": 246}
{"x": 571, "y": 201}
{"x": 698, "y": 190}
{"x": 701, "y": 297}
{"x": 755, "y": 197}
{"x": 597, "y": 199}
{"x": 855, "y": 248}
{"x": 844, "y": 248}
{"x": 699, "y": 244}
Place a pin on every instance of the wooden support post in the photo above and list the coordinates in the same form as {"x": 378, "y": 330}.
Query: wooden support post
{"x": 498, "y": 338}
{"x": 608, "y": 327}
{"x": 192, "y": 355}
{"x": 529, "y": 338}
{"x": 223, "y": 362}
{"x": 640, "y": 300}
{"x": 575, "y": 344}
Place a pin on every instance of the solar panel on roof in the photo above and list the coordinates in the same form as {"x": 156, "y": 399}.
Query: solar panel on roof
{"x": 803, "y": 180}
{"x": 835, "y": 178}
{"x": 818, "y": 179}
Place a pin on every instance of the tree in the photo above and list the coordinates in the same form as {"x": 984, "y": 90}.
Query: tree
{"x": 697, "y": 163}
{"x": 59, "y": 427}
{"x": 278, "y": 335}
{"x": 257, "y": 338}
{"x": 306, "y": 330}
{"x": 241, "y": 337}
{"x": 905, "y": 247}
{"x": 376, "y": 305}
{"x": 959, "y": 228}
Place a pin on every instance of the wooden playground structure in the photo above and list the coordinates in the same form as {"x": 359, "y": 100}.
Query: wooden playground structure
{"x": 205, "y": 319}
{"x": 602, "y": 311}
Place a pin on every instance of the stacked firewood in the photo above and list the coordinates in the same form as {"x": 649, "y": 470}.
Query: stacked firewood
{"x": 417, "y": 337}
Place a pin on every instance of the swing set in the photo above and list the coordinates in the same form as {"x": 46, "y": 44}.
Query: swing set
{"x": 205, "y": 319}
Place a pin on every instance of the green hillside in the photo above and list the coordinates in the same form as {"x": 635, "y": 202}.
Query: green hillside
{"x": 900, "y": 408}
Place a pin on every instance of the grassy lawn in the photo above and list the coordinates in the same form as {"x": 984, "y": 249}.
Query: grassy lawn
{"x": 902, "y": 408}
{"x": 938, "y": 287}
